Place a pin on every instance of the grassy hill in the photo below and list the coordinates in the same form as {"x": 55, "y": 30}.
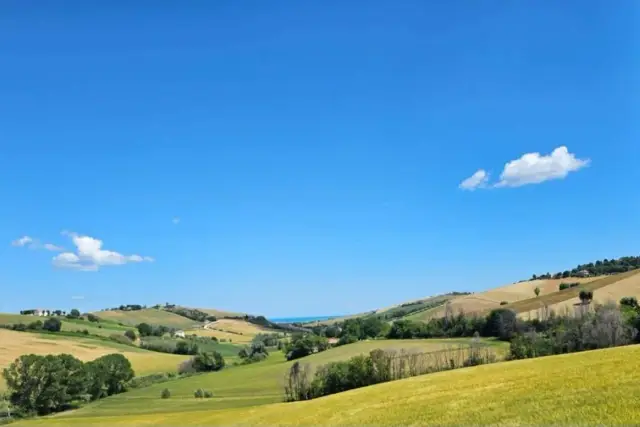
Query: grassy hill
{"x": 249, "y": 385}
{"x": 151, "y": 316}
{"x": 231, "y": 330}
{"x": 103, "y": 328}
{"x": 14, "y": 344}
{"x": 222, "y": 313}
{"x": 596, "y": 387}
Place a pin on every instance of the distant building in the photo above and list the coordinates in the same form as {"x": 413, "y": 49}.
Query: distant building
{"x": 39, "y": 312}
{"x": 583, "y": 273}
{"x": 179, "y": 334}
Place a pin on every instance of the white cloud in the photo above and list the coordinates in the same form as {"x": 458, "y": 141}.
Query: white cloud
{"x": 23, "y": 241}
{"x": 531, "y": 168}
{"x": 477, "y": 180}
{"x": 176, "y": 220}
{"x": 52, "y": 247}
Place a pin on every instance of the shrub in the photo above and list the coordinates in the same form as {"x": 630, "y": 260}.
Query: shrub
{"x": 629, "y": 302}
{"x": 208, "y": 395}
{"x": 198, "y": 394}
{"x": 165, "y": 394}
{"x": 208, "y": 361}
{"x": 131, "y": 335}
{"x": 504, "y": 302}
{"x": 93, "y": 318}
{"x": 52, "y": 324}
{"x": 35, "y": 326}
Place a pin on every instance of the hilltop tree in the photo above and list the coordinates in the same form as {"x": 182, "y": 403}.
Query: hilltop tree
{"x": 74, "y": 313}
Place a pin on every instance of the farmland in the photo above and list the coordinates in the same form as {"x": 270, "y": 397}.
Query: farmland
{"x": 69, "y": 325}
{"x": 14, "y": 344}
{"x": 504, "y": 393}
{"x": 231, "y": 330}
{"x": 151, "y": 316}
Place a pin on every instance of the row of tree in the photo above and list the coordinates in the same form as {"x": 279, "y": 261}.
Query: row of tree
{"x": 597, "y": 268}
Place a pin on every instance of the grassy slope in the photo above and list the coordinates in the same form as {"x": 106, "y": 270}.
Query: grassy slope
{"x": 248, "y": 385}
{"x": 236, "y": 331}
{"x": 148, "y": 315}
{"x": 69, "y": 325}
{"x": 482, "y": 302}
{"x": 608, "y": 288}
{"x": 14, "y": 344}
{"x": 596, "y": 387}
{"x": 222, "y": 313}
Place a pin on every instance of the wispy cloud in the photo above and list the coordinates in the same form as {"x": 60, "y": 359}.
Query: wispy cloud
{"x": 530, "y": 168}
{"x": 31, "y": 243}
{"x": 90, "y": 256}
{"x": 23, "y": 241}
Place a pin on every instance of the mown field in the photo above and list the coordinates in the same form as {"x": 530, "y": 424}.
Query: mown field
{"x": 597, "y": 387}
{"x": 151, "y": 316}
{"x": 14, "y": 344}
{"x": 69, "y": 325}
{"x": 244, "y": 386}
{"x": 230, "y": 330}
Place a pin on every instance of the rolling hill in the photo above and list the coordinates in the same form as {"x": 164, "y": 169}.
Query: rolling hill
{"x": 103, "y": 328}
{"x": 231, "y": 330}
{"x": 595, "y": 387}
{"x": 151, "y": 316}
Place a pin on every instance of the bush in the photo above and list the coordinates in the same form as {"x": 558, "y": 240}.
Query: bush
{"x": 93, "y": 318}
{"x": 131, "y": 335}
{"x": 208, "y": 362}
{"x": 629, "y": 302}
{"x": 198, "y": 394}
{"x": 165, "y": 394}
{"x": 52, "y": 324}
{"x": 504, "y": 302}
{"x": 120, "y": 339}
{"x": 208, "y": 394}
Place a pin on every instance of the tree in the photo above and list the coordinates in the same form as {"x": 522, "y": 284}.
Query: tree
{"x": 93, "y": 318}
{"x": 74, "y": 313}
{"x": 52, "y": 324}
{"x": 165, "y": 394}
{"x": 501, "y": 323}
{"x": 208, "y": 361}
{"x": 131, "y": 334}
{"x": 144, "y": 329}
{"x": 585, "y": 296}
{"x": 629, "y": 302}
{"x": 45, "y": 384}
{"x": 109, "y": 375}
{"x": 537, "y": 291}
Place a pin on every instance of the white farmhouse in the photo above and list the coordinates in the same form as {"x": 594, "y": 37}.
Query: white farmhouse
{"x": 179, "y": 334}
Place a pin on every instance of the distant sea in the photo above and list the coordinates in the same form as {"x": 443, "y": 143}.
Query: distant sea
{"x": 300, "y": 319}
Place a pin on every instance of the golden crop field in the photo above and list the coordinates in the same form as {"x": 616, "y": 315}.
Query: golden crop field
{"x": 482, "y": 302}
{"x": 221, "y": 313}
{"x": 233, "y": 330}
{"x": 14, "y": 344}
{"x": 595, "y": 387}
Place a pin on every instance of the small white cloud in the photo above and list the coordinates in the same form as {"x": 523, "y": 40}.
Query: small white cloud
{"x": 77, "y": 297}
{"x": 23, "y": 241}
{"x": 477, "y": 180}
{"x": 90, "y": 256}
{"x": 532, "y": 168}
{"x": 176, "y": 220}
{"x": 52, "y": 247}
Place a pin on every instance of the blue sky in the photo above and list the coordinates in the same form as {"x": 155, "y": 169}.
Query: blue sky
{"x": 313, "y": 152}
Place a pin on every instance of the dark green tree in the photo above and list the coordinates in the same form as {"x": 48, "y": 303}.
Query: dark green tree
{"x": 208, "y": 361}
{"x": 145, "y": 330}
{"x": 74, "y": 313}
{"x": 52, "y": 324}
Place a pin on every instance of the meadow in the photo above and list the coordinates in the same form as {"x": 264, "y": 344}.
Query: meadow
{"x": 231, "y": 330}
{"x": 151, "y": 316}
{"x": 14, "y": 344}
{"x": 103, "y": 328}
{"x": 595, "y": 387}
{"x": 247, "y": 385}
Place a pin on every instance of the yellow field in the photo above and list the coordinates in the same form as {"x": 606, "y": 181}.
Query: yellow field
{"x": 481, "y": 302}
{"x": 151, "y": 316}
{"x": 14, "y": 344}
{"x": 221, "y": 313}
{"x": 612, "y": 290}
{"x": 596, "y": 387}
{"x": 237, "y": 331}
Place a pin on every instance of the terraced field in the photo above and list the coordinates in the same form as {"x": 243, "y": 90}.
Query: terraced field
{"x": 544, "y": 391}
{"x": 151, "y": 316}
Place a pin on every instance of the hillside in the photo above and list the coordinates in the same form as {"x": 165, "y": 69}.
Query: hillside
{"x": 222, "y": 313}
{"x": 249, "y": 385}
{"x": 231, "y": 330}
{"x": 596, "y": 387}
{"x": 151, "y": 316}
{"x": 14, "y": 344}
{"x": 102, "y": 328}
{"x": 481, "y": 302}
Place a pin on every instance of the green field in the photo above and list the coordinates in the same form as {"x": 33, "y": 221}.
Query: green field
{"x": 151, "y": 316}
{"x": 596, "y": 387}
{"x": 104, "y": 328}
{"x": 243, "y": 386}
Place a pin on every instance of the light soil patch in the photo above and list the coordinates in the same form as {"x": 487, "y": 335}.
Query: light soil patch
{"x": 612, "y": 290}
{"x": 544, "y": 391}
{"x": 483, "y": 302}
{"x": 14, "y": 344}
{"x": 151, "y": 316}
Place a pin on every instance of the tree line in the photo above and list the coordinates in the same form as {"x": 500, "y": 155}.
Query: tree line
{"x": 597, "y": 268}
